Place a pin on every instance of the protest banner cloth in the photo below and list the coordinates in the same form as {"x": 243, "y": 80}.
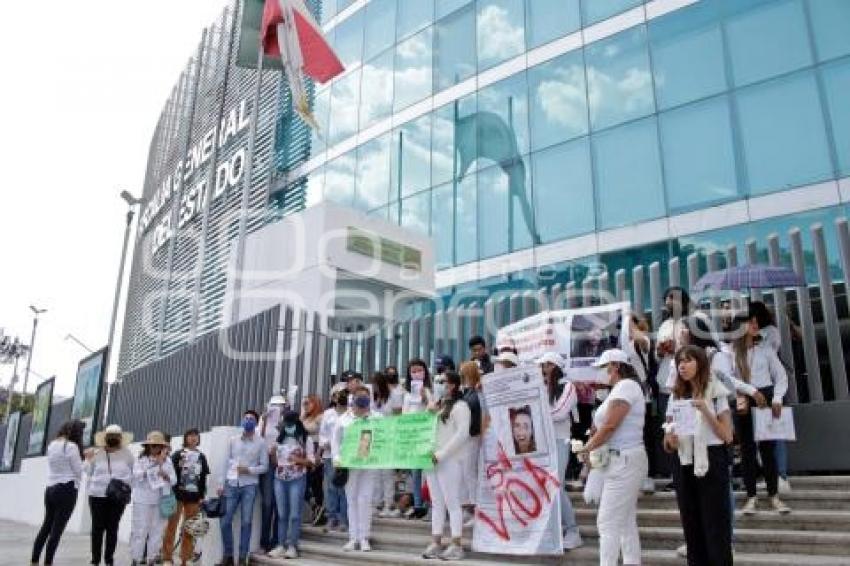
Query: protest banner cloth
{"x": 765, "y": 427}
{"x": 518, "y": 509}
{"x": 401, "y": 442}
{"x": 578, "y": 335}
{"x": 684, "y": 417}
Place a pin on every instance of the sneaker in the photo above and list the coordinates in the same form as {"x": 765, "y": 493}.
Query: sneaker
{"x": 779, "y": 506}
{"x": 331, "y": 526}
{"x": 453, "y": 552}
{"x": 469, "y": 523}
{"x": 784, "y": 486}
{"x": 682, "y": 551}
{"x": 384, "y": 514}
{"x": 749, "y": 507}
{"x": 365, "y": 546}
{"x": 277, "y": 552}
{"x": 291, "y": 552}
{"x": 350, "y": 546}
{"x": 426, "y": 515}
{"x": 572, "y": 540}
{"x": 432, "y": 551}
{"x": 394, "y": 514}
{"x": 648, "y": 486}
{"x": 410, "y": 512}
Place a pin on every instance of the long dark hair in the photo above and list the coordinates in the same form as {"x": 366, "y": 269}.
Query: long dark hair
{"x": 685, "y": 300}
{"x": 699, "y": 333}
{"x": 418, "y": 362}
{"x": 448, "y": 403}
{"x": 554, "y": 385}
{"x": 381, "y": 385}
{"x": 696, "y": 387}
{"x": 72, "y": 431}
{"x": 300, "y": 433}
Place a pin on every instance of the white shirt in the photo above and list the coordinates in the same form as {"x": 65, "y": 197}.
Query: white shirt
{"x": 454, "y": 433}
{"x": 63, "y": 463}
{"x": 148, "y": 484}
{"x": 630, "y": 432}
{"x": 765, "y": 370}
{"x": 719, "y": 406}
{"x": 562, "y": 410}
{"x": 413, "y": 403}
{"x": 326, "y": 430}
{"x": 121, "y": 464}
{"x": 770, "y": 337}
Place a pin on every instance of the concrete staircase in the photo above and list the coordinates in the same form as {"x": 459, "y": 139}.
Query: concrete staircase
{"x": 817, "y": 532}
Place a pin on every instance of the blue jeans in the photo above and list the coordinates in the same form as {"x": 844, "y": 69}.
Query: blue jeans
{"x": 417, "y": 488}
{"x": 336, "y": 506}
{"x": 781, "y": 453}
{"x": 568, "y": 515}
{"x": 268, "y": 511}
{"x": 289, "y": 495}
{"x": 242, "y": 497}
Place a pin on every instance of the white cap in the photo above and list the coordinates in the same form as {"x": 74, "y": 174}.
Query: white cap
{"x": 113, "y": 429}
{"x": 507, "y": 356}
{"x": 277, "y": 400}
{"x": 552, "y": 358}
{"x": 612, "y": 355}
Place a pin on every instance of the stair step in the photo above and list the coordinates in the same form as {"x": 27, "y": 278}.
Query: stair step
{"x": 331, "y": 554}
{"x": 799, "y": 499}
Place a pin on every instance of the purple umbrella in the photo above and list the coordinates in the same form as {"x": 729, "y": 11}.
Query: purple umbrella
{"x": 750, "y": 277}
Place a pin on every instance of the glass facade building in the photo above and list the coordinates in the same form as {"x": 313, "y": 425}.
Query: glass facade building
{"x": 537, "y": 141}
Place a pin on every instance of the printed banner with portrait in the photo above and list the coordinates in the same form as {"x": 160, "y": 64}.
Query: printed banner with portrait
{"x": 519, "y": 502}
{"x": 87, "y": 393}
{"x": 40, "y": 417}
{"x": 402, "y": 442}
{"x": 7, "y": 462}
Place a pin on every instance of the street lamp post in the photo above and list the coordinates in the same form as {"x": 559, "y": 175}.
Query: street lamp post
{"x": 36, "y": 311}
{"x": 70, "y": 336}
{"x": 131, "y": 203}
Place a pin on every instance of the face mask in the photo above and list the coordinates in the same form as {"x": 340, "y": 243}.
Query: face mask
{"x": 439, "y": 390}
{"x": 361, "y": 402}
{"x": 248, "y": 425}
{"x": 289, "y": 429}
{"x": 113, "y": 442}
{"x": 602, "y": 394}
{"x": 418, "y": 375}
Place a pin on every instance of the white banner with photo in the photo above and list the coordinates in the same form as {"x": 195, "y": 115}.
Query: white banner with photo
{"x": 518, "y": 508}
{"x": 578, "y": 335}
{"x": 766, "y": 427}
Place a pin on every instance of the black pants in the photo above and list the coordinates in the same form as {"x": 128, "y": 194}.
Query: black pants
{"x": 314, "y": 486}
{"x": 705, "y": 511}
{"x": 105, "y": 517}
{"x": 749, "y": 464}
{"x": 579, "y": 432}
{"x": 653, "y": 436}
{"x": 59, "y": 502}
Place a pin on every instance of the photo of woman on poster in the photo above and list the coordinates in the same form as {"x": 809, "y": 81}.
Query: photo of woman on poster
{"x": 522, "y": 429}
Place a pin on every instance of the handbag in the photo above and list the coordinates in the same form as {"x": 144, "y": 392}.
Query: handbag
{"x": 340, "y": 477}
{"x": 117, "y": 491}
{"x": 213, "y": 507}
{"x": 167, "y": 505}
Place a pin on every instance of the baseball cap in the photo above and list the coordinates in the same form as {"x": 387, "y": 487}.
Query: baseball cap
{"x": 612, "y": 355}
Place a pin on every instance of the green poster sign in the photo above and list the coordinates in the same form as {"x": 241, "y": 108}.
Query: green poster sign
{"x": 402, "y": 442}
{"x": 388, "y": 251}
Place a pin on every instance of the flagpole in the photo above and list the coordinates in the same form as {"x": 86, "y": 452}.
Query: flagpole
{"x": 454, "y": 187}
{"x": 510, "y": 184}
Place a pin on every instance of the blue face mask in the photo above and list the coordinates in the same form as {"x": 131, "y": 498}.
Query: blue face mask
{"x": 248, "y": 425}
{"x": 289, "y": 429}
{"x": 361, "y": 402}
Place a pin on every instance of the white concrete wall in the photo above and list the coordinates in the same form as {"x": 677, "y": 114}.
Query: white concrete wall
{"x": 22, "y": 496}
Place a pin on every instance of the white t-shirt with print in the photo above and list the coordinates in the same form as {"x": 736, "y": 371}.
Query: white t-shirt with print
{"x": 630, "y": 432}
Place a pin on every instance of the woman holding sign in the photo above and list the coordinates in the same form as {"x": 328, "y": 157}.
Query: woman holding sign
{"x": 417, "y": 399}
{"x": 699, "y": 427}
{"x": 765, "y": 380}
{"x": 446, "y": 480}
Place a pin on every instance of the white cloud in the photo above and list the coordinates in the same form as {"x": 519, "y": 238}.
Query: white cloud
{"x": 498, "y": 38}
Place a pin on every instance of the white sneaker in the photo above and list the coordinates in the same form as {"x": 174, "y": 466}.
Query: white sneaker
{"x": 277, "y": 552}
{"x": 572, "y": 540}
{"x": 453, "y": 552}
{"x": 409, "y": 512}
{"x": 749, "y": 507}
{"x": 779, "y": 506}
{"x": 384, "y": 514}
{"x": 291, "y": 552}
{"x": 648, "y": 485}
{"x": 682, "y": 551}
{"x": 393, "y": 513}
{"x": 350, "y": 546}
{"x": 432, "y": 551}
{"x": 783, "y": 486}
{"x": 365, "y": 546}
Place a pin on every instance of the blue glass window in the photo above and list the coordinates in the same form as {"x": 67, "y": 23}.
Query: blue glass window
{"x": 563, "y": 191}
{"x": 373, "y": 173}
{"x": 505, "y": 216}
{"x": 413, "y": 16}
{"x": 595, "y": 10}
{"x": 558, "y": 100}
{"x": 413, "y": 75}
{"x": 446, "y": 155}
{"x": 830, "y": 22}
{"x": 767, "y": 40}
{"x": 321, "y": 111}
{"x": 547, "y": 20}
{"x": 500, "y": 31}
{"x": 836, "y": 82}
{"x": 328, "y": 9}
{"x": 348, "y": 39}
{"x": 783, "y": 133}
{"x": 416, "y": 212}
{"x": 466, "y": 227}
{"x": 619, "y": 80}
{"x": 379, "y": 26}
{"x": 411, "y": 157}
{"x": 345, "y": 95}
{"x": 502, "y": 122}
{"x": 687, "y": 54}
{"x": 377, "y": 89}
{"x": 695, "y": 175}
{"x": 339, "y": 179}
{"x": 443, "y": 224}
{"x": 454, "y": 48}
{"x": 628, "y": 174}
{"x": 445, "y": 7}
{"x": 315, "y": 186}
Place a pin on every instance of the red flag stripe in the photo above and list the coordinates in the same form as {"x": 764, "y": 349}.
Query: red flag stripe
{"x": 320, "y": 61}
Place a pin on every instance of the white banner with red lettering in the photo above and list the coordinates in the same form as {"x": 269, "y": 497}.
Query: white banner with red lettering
{"x": 518, "y": 507}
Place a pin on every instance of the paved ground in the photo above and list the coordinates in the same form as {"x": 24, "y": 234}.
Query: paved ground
{"x": 16, "y": 545}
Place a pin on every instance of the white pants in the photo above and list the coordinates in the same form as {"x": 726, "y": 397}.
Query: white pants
{"x": 386, "y": 486}
{"x": 445, "y": 484}
{"x": 358, "y": 496}
{"x": 146, "y": 526}
{"x": 470, "y": 470}
{"x": 617, "y": 516}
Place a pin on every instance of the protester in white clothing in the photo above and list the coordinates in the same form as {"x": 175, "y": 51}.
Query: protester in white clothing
{"x": 618, "y": 436}
{"x": 153, "y": 476}
{"x": 360, "y": 483}
{"x": 418, "y": 397}
{"x": 470, "y": 375}
{"x": 445, "y": 481}
{"x": 336, "y": 507}
{"x": 563, "y": 401}
{"x": 384, "y": 403}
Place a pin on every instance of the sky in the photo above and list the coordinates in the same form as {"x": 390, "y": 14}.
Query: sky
{"x": 84, "y": 84}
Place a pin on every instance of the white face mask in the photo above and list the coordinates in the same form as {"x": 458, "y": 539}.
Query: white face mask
{"x": 439, "y": 390}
